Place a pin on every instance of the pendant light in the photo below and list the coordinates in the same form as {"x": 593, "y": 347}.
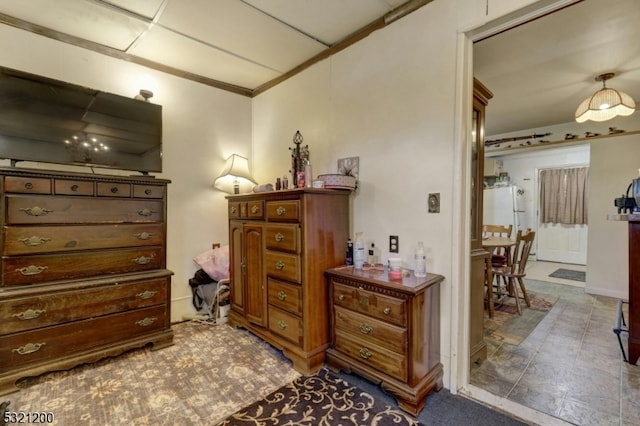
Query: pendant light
{"x": 605, "y": 104}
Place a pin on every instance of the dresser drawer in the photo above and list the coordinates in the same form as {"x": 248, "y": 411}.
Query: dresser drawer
{"x": 43, "y": 239}
{"x": 50, "y": 343}
{"x": 385, "y": 308}
{"x": 286, "y": 325}
{"x": 255, "y": 209}
{"x": 26, "y": 185}
{"x": 28, "y": 313}
{"x": 148, "y": 191}
{"x": 24, "y": 270}
{"x": 285, "y": 296}
{"x": 109, "y": 189}
{"x": 378, "y": 332}
{"x": 283, "y": 237}
{"x": 48, "y": 209}
{"x": 72, "y": 187}
{"x": 283, "y": 211}
{"x": 283, "y": 265}
{"x": 366, "y": 352}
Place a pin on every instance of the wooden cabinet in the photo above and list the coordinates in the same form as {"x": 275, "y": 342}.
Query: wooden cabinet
{"x": 280, "y": 244}
{"x": 83, "y": 269}
{"x": 388, "y": 331}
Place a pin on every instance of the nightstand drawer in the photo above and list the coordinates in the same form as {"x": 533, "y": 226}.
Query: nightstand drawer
{"x": 382, "y": 359}
{"x": 283, "y": 211}
{"x": 286, "y": 325}
{"x": 285, "y": 296}
{"x": 283, "y": 265}
{"x": 377, "y": 332}
{"x": 283, "y": 237}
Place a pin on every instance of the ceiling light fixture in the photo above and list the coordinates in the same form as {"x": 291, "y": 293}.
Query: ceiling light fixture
{"x": 605, "y": 104}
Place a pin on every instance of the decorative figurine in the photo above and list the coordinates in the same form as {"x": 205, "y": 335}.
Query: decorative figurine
{"x": 299, "y": 157}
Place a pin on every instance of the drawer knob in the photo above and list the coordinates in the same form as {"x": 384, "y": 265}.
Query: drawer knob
{"x": 364, "y": 301}
{"x": 280, "y": 211}
{"x": 28, "y": 185}
{"x": 143, "y": 236}
{"x": 279, "y": 237}
{"x": 280, "y": 265}
{"x": 29, "y": 314}
{"x": 31, "y": 270}
{"x": 387, "y": 310}
{"x": 233, "y": 210}
{"x": 282, "y": 295}
{"x": 364, "y": 353}
{"x": 341, "y": 297}
{"x": 74, "y": 188}
{"x": 146, "y": 322}
{"x": 114, "y": 189}
{"x": 36, "y": 211}
{"x": 366, "y": 329}
{"x": 147, "y": 192}
{"x": 145, "y": 212}
{"x": 29, "y": 348}
{"x": 282, "y": 325}
{"x": 147, "y": 294}
{"x": 34, "y": 241}
{"x": 143, "y": 260}
{"x": 255, "y": 209}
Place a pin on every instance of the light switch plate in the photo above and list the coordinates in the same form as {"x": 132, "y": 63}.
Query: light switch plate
{"x": 434, "y": 202}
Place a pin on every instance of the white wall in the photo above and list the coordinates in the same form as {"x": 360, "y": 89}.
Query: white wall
{"x": 201, "y": 127}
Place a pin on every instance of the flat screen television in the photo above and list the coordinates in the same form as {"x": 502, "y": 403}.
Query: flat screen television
{"x": 51, "y": 121}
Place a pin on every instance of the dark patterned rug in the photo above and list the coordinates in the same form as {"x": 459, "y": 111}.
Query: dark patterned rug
{"x": 569, "y": 274}
{"x": 322, "y": 399}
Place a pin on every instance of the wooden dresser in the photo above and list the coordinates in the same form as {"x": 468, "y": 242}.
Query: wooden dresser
{"x": 83, "y": 271}
{"x": 387, "y": 331}
{"x": 280, "y": 244}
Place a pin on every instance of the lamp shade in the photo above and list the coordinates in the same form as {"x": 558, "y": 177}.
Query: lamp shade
{"x": 605, "y": 104}
{"x": 235, "y": 177}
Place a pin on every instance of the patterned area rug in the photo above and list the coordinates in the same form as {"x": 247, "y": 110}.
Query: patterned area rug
{"x": 322, "y": 399}
{"x": 192, "y": 382}
{"x": 509, "y": 327}
{"x": 569, "y": 274}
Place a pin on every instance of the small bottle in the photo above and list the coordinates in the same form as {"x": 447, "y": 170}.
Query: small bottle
{"x": 300, "y": 178}
{"x": 358, "y": 251}
{"x": 349, "y": 257}
{"x": 278, "y": 184}
{"x": 421, "y": 261}
{"x": 372, "y": 259}
{"x": 285, "y": 182}
{"x": 308, "y": 176}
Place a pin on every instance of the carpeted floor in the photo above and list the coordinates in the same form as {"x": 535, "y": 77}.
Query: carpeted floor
{"x": 569, "y": 274}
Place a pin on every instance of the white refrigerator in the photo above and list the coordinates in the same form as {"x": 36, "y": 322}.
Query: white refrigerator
{"x": 505, "y": 206}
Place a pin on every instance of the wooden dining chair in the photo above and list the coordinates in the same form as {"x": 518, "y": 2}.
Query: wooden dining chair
{"x": 516, "y": 271}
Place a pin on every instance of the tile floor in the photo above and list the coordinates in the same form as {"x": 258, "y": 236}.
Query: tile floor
{"x": 570, "y": 366}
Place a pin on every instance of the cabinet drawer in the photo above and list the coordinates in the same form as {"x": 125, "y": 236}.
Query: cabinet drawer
{"x": 24, "y": 270}
{"x": 43, "y": 239}
{"x": 378, "y": 332}
{"x": 283, "y": 237}
{"x": 109, "y": 189}
{"x": 148, "y": 191}
{"x": 283, "y": 265}
{"x": 72, "y": 187}
{"x": 255, "y": 209}
{"x": 283, "y": 211}
{"x": 27, "y": 185}
{"x": 286, "y": 325}
{"x": 29, "y": 313}
{"x": 382, "y": 359}
{"x": 285, "y": 296}
{"x": 234, "y": 210}
{"x": 385, "y": 308}
{"x": 49, "y": 343}
{"x": 48, "y": 209}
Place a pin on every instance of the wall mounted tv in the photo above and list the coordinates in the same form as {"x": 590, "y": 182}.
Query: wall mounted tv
{"x": 51, "y": 121}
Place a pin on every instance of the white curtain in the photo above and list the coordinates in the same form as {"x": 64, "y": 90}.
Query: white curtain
{"x": 564, "y": 195}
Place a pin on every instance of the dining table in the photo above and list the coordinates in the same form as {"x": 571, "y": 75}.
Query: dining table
{"x": 491, "y": 243}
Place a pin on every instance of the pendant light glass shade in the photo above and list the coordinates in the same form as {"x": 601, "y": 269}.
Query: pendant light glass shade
{"x": 605, "y": 104}
{"x": 235, "y": 177}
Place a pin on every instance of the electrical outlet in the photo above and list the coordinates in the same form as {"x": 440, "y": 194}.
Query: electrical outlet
{"x": 434, "y": 203}
{"x": 394, "y": 244}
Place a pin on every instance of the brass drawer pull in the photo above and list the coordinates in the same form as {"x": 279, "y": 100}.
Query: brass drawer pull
{"x": 74, "y": 188}
{"x": 255, "y": 209}
{"x": 28, "y": 185}
{"x": 282, "y": 325}
{"x": 143, "y": 260}
{"x": 341, "y": 297}
{"x": 364, "y": 353}
{"x": 147, "y": 294}
{"x": 366, "y": 329}
{"x": 148, "y": 192}
{"x": 114, "y": 190}
{"x": 280, "y": 211}
{"x": 36, "y": 211}
{"x": 280, "y": 265}
{"x": 146, "y": 322}
{"x": 34, "y": 241}
{"x": 145, "y": 212}
{"x": 233, "y": 210}
{"x": 31, "y": 270}
{"x": 143, "y": 236}
{"x": 28, "y": 348}
{"x": 279, "y": 237}
{"x": 364, "y": 301}
{"x": 387, "y": 310}
{"x": 29, "y": 314}
{"x": 282, "y": 295}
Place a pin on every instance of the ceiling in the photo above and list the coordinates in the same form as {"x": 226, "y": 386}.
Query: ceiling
{"x": 538, "y": 72}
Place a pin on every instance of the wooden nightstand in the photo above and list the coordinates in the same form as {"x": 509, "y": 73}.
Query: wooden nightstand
{"x": 388, "y": 331}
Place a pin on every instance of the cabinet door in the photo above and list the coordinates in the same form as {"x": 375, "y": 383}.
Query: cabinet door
{"x": 236, "y": 264}
{"x": 254, "y": 276}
